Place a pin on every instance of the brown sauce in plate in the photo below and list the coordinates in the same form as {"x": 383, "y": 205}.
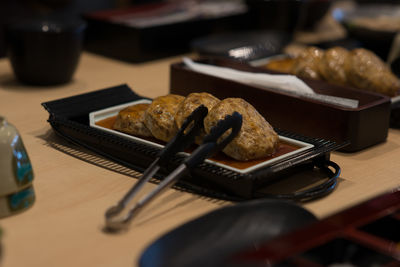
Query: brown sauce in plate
{"x": 107, "y": 122}
{"x": 283, "y": 148}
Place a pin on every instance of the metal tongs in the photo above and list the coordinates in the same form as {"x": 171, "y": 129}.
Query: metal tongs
{"x": 119, "y": 216}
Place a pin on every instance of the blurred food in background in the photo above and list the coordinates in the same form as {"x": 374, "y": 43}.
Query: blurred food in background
{"x": 359, "y": 68}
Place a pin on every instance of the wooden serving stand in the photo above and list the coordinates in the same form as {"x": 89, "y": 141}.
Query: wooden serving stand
{"x": 365, "y": 235}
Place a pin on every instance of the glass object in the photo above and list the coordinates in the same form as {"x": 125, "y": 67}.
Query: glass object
{"x": 16, "y": 173}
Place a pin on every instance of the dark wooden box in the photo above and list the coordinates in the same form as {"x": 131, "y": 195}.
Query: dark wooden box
{"x": 109, "y": 35}
{"x": 363, "y": 127}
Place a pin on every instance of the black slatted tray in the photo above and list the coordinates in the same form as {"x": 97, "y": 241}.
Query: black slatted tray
{"x": 69, "y": 117}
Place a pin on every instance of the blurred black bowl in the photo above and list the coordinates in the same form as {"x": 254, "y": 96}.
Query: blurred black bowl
{"x": 287, "y": 15}
{"x": 45, "y": 51}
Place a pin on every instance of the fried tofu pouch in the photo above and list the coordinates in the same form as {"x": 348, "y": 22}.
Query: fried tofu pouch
{"x": 332, "y": 65}
{"x": 367, "y": 71}
{"x": 159, "y": 117}
{"x": 189, "y": 104}
{"x": 306, "y": 64}
{"x": 130, "y": 120}
{"x": 256, "y": 139}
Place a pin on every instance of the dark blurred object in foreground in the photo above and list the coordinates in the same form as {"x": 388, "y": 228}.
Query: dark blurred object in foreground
{"x": 364, "y": 235}
{"x": 212, "y": 238}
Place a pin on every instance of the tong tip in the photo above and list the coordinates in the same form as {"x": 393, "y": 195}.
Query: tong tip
{"x": 111, "y": 216}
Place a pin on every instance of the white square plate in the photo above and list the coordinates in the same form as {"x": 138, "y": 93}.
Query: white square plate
{"x": 100, "y": 115}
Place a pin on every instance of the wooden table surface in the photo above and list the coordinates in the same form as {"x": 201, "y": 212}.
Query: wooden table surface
{"x": 64, "y": 226}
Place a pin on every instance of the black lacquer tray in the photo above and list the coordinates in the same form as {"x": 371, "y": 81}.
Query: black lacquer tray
{"x": 211, "y": 239}
{"x": 69, "y": 117}
{"x": 366, "y": 234}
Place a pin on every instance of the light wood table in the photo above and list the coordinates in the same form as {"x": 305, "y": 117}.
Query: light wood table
{"x": 63, "y": 228}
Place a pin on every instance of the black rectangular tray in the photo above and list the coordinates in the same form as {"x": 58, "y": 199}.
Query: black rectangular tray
{"x": 69, "y": 117}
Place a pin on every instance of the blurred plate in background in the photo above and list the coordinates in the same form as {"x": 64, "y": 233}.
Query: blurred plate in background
{"x": 374, "y": 25}
{"x": 243, "y": 46}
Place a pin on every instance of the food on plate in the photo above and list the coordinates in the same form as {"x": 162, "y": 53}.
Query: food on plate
{"x": 165, "y": 115}
{"x": 359, "y": 68}
{"x": 189, "y": 104}
{"x": 367, "y": 71}
{"x": 130, "y": 120}
{"x": 306, "y": 65}
{"x": 256, "y": 138}
{"x": 159, "y": 117}
{"x": 331, "y": 66}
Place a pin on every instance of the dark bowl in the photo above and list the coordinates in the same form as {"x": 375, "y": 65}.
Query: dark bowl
{"x": 287, "y": 15}
{"x": 45, "y": 51}
{"x": 377, "y": 39}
